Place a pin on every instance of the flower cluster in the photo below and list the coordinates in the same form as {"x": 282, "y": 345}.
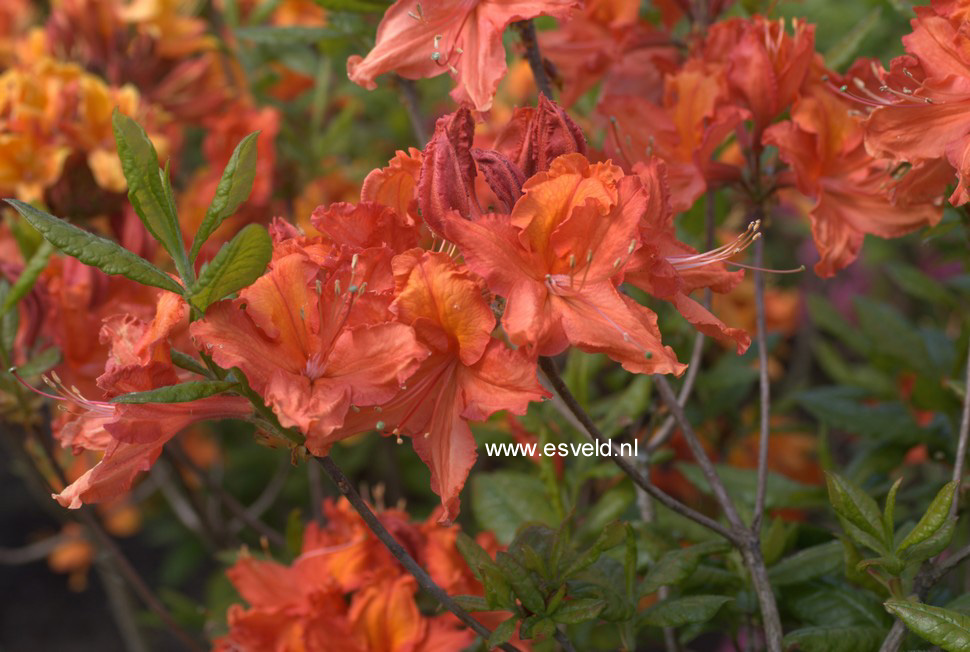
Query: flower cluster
{"x": 345, "y": 591}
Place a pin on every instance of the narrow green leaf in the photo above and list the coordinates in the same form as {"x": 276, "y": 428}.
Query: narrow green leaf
{"x": 505, "y": 500}
{"x": 233, "y": 189}
{"x": 293, "y": 534}
{"x": 181, "y": 393}
{"x": 932, "y": 546}
{"x": 889, "y": 511}
{"x": 239, "y": 262}
{"x": 25, "y": 282}
{"x": 857, "y": 508}
{"x": 578, "y": 611}
{"x": 935, "y": 517}
{"x": 40, "y": 363}
{"x": 148, "y": 191}
{"x": 498, "y": 593}
{"x": 852, "y": 638}
{"x": 610, "y": 537}
{"x": 9, "y": 322}
{"x": 521, "y": 582}
{"x": 844, "y": 50}
{"x": 90, "y": 249}
{"x": 678, "y": 612}
{"x": 187, "y": 362}
{"x": 502, "y": 633}
{"x": 475, "y": 556}
{"x": 353, "y": 5}
{"x": 948, "y": 629}
{"x": 807, "y": 564}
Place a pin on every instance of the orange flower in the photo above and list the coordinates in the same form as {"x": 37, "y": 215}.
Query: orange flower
{"x": 823, "y": 143}
{"x": 312, "y": 342}
{"x": 427, "y": 38}
{"x": 468, "y": 376}
{"x": 557, "y": 259}
{"x": 669, "y": 269}
{"x": 694, "y": 119}
{"x": 344, "y": 593}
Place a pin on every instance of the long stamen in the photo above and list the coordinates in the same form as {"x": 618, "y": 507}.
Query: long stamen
{"x": 722, "y": 253}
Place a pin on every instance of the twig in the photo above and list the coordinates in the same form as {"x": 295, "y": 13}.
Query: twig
{"x": 764, "y": 385}
{"x": 412, "y": 104}
{"x": 929, "y": 575}
{"x": 527, "y": 32}
{"x": 926, "y": 579}
{"x": 549, "y": 369}
{"x": 232, "y": 504}
{"x": 747, "y": 542}
{"x": 564, "y": 641}
{"x": 120, "y": 603}
{"x": 31, "y": 552}
{"x": 124, "y": 567}
{"x": 396, "y": 549}
{"x": 960, "y": 460}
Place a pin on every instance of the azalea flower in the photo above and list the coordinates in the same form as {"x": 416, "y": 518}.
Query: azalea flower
{"x": 557, "y": 259}
{"x": 823, "y": 143}
{"x": 468, "y": 376}
{"x": 426, "y": 38}
{"x": 313, "y": 341}
{"x": 921, "y": 108}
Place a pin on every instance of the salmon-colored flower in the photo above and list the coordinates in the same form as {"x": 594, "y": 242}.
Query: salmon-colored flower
{"x": 310, "y": 343}
{"x": 344, "y": 593}
{"x": 468, "y": 376}
{"x": 669, "y": 269}
{"x": 823, "y": 143}
{"x": 693, "y": 120}
{"x": 558, "y": 259}
{"x": 426, "y": 38}
{"x": 921, "y": 107}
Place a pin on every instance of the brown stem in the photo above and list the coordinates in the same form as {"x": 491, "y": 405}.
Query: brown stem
{"x": 747, "y": 542}
{"x": 564, "y": 642}
{"x": 764, "y": 385}
{"x": 123, "y": 566}
{"x": 424, "y": 580}
{"x": 549, "y": 369}
{"x": 527, "y": 32}
{"x": 412, "y": 104}
{"x": 962, "y": 438}
{"x": 232, "y": 504}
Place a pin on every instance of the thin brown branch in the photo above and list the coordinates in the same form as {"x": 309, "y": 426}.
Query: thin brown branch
{"x": 764, "y": 385}
{"x": 424, "y": 580}
{"x": 227, "y": 499}
{"x": 964, "y": 435}
{"x": 412, "y": 104}
{"x": 549, "y": 369}
{"x": 123, "y": 566}
{"x": 564, "y": 642}
{"x": 747, "y": 542}
{"x": 527, "y": 32}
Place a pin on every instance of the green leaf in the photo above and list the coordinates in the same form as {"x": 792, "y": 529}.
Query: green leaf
{"x": 948, "y": 629}
{"x": 824, "y": 605}
{"x": 521, "y": 582}
{"x": 848, "y": 408}
{"x": 578, "y": 611}
{"x": 889, "y": 511}
{"x": 475, "y": 556}
{"x": 233, "y": 189}
{"x": 935, "y": 517}
{"x": 148, "y": 188}
{"x": 678, "y": 612}
{"x": 353, "y": 5}
{"x": 857, "y": 508}
{"x": 498, "y": 593}
{"x": 829, "y": 319}
{"x": 501, "y": 634}
{"x": 187, "y": 362}
{"x": 505, "y": 500}
{"x": 9, "y": 322}
{"x": 239, "y": 262}
{"x": 40, "y": 363}
{"x": 933, "y": 545}
{"x": 25, "y": 282}
{"x": 181, "y": 393}
{"x": 288, "y": 36}
{"x": 293, "y": 534}
{"x": 610, "y": 537}
{"x": 844, "y": 50}
{"x": 90, "y": 249}
{"x": 806, "y": 564}
{"x": 892, "y": 335}
{"x": 919, "y": 285}
{"x": 852, "y": 638}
